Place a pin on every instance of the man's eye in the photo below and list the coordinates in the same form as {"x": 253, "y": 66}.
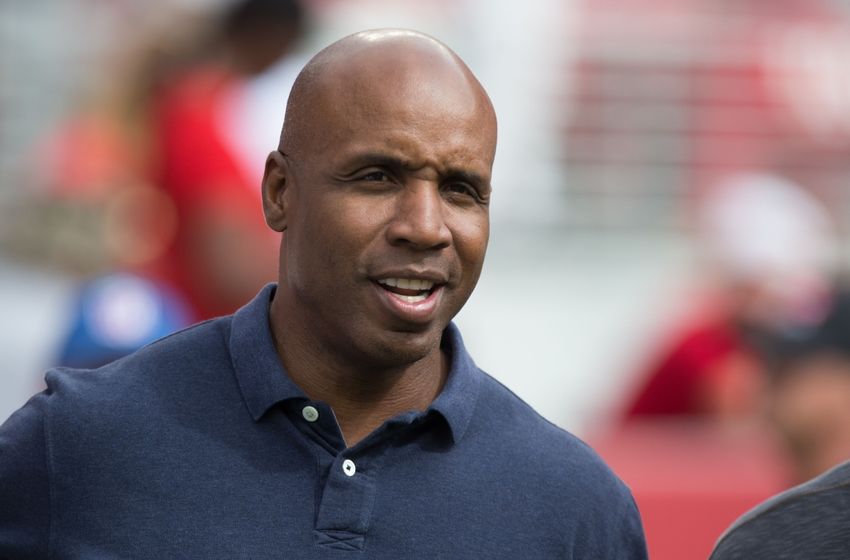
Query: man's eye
{"x": 461, "y": 188}
{"x": 375, "y": 176}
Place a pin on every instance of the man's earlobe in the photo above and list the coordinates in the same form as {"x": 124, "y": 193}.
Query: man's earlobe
{"x": 276, "y": 180}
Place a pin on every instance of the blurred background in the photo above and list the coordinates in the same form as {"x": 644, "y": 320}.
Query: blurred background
{"x": 670, "y": 216}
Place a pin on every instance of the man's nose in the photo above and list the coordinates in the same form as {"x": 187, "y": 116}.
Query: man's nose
{"x": 419, "y": 220}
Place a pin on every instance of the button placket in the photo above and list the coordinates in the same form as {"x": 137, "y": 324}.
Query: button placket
{"x": 348, "y": 496}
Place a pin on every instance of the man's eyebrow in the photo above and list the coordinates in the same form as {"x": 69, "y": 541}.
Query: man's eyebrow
{"x": 378, "y": 159}
{"x": 396, "y": 162}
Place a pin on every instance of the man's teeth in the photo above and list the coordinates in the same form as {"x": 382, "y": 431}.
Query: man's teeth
{"x": 411, "y": 299}
{"x": 408, "y": 284}
{"x": 408, "y": 290}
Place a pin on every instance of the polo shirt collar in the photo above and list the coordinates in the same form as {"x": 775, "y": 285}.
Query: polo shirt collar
{"x": 264, "y": 381}
{"x": 260, "y": 374}
{"x": 456, "y": 402}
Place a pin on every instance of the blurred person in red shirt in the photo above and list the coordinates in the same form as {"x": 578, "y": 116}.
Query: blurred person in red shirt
{"x": 771, "y": 250}
{"x": 221, "y": 253}
{"x": 115, "y": 187}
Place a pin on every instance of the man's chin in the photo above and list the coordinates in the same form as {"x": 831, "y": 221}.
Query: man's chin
{"x": 397, "y": 349}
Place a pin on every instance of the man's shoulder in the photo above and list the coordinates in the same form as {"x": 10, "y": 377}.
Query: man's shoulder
{"x": 547, "y": 451}
{"x": 807, "y": 521}
{"x": 518, "y": 449}
{"x": 521, "y": 424}
{"x": 169, "y": 360}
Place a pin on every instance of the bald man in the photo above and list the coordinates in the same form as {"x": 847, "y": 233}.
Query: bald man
{"x": 337, "y": 415}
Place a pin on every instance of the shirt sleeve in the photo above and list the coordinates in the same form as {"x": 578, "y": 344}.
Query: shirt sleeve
{"x": 25, "y": 483}
{"x": 805, "y": 523}
{"x": 612, "y": 527}
{"x": 633, "y": 544}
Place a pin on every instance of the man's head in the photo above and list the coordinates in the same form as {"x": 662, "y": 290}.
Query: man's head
{"x": 381, "y": 187}
{"x": 257, "y": 33}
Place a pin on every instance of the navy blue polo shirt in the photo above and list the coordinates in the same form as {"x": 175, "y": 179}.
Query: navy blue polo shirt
{"x": 200, "y": 446}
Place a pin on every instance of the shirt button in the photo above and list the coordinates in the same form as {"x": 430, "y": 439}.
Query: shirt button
{"x": 310, "y": 413}
{"x": 348, "y": 467}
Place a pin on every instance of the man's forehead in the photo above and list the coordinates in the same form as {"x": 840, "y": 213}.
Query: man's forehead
{"x": 407, "y": 83}
{"x": 417, "y": 129}
{"x": 385, "y": 77}
{"x": 389, "y": 71}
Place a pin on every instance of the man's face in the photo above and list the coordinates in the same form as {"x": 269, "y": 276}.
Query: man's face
{"x": 387, "y": 216}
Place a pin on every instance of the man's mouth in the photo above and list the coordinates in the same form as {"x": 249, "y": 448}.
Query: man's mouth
{"x": 414, "y": 299}
{"x": 408, "y": 290}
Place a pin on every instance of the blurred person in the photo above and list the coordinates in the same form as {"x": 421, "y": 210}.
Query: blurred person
{"x": 809, "y": 394}
{"x": 115, "y": 315}
{"x": 101, "y": 224}
{"x": 90, "y": 213}
{"x": 220, "y": 255}
{"x": 810, "y": 407}
{"x": 119, "y": 223}
{"x": 808, "y": 521}
{"x": 808, "y": 404}
{"x": 770, "y": 254}
{"x": 338, "y": 412}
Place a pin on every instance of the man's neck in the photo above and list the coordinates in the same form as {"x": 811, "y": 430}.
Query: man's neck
{"x": 362, "y": 398}
{"x": 362, "y": 401}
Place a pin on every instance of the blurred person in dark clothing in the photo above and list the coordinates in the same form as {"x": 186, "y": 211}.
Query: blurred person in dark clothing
{"x": 807, "y": 522}
{"x": 809, "y": 405}
{"x": 338, "y": 412}
{"x": 808, "y": 396}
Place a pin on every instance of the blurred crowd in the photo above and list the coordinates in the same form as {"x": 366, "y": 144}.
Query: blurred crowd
{"x": 151, "y": 186}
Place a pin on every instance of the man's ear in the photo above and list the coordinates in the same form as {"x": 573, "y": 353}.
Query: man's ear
{"x": 276, "y": 183}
